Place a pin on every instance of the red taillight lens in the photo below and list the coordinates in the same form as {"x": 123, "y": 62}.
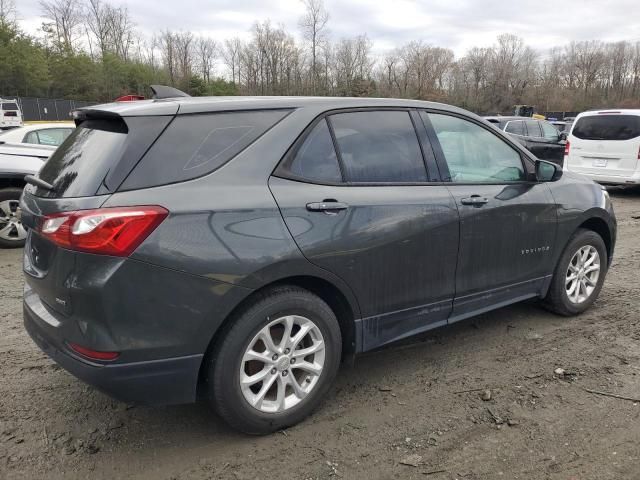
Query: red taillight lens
{"x": 114, "y": 231}
{"x": 567, "y": 146}
{"x": 93, "y": 354}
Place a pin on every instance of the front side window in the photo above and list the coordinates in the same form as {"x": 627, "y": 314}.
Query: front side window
{"x": 515, "y": 127}
{"x": 49, "y": 136}
{"x": 533, "y": 128}
{"x": 474, "y": 154}
{"x": 378, "y": 147}
{"x": 549, "y": 131}
{"x": 316, "y": 159}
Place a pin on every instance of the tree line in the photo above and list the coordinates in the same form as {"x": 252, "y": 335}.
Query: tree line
{"x": 91, "y": 50}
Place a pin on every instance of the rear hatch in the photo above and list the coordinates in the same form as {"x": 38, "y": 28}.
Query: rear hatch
{"x": 10, "y": 115}
{"x": 83, "y": 172}
{"x": 605, "y": 143}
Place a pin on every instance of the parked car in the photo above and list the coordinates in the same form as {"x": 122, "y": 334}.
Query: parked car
{"x": 538, "y": 136}
{"x": 16, "y": 161}
{"x": 605, "y": 146}
{"x": 52, "y": 134}
{"x": 10, "y": 114}
{"x": 239, "y": 248}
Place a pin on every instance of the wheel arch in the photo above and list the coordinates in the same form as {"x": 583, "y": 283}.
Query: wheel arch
{"x": 601, "y": 227}
{"x": 341, "y": 302}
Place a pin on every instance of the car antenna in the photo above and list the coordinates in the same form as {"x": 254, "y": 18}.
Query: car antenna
{"x": 162, "y": 91}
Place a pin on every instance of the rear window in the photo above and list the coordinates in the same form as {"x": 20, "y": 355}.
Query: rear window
{"x": 195, "y": 145}
{"x": 607, "y": 127}
{"x": 98, "y": 154}
{"x": 9, "y": 106}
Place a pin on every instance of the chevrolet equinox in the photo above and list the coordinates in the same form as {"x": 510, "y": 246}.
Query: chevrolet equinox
{"x": 237, "y": 249}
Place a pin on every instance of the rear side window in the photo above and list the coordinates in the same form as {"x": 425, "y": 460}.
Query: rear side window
{"x": 533, "y": 128}
{"x": 10, "y": 106}
{"x": 549, "y": 131}
{"x": 195, "y": 145}
{"x": 316, "y": 159}
{"x": 379, "y": 146}
{"x": 516, "y": 128}
{"x": 607, "y": 127}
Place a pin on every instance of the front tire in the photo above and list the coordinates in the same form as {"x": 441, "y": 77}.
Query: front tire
{"x": 276, "y": 362}
{"x": 579, "y": 274}
{"x": 12, "y": 232}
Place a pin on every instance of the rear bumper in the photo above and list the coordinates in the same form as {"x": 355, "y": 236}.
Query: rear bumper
{"x": 156, "y": 382}
{"x": 610, "y": 179}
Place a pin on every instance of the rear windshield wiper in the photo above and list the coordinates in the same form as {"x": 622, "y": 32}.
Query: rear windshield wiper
{"x": 39, "y": 183}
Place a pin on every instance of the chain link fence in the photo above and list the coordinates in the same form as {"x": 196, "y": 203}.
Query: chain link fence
{"x": 46, "y": 109}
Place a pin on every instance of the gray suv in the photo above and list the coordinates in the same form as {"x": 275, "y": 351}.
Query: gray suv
{"x": 238, "y": 249}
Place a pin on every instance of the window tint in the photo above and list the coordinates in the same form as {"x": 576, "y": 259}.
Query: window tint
{"x": 533, "y": 128}
{"x": 378, "y": 147}
{"x": 517, "y": 127}
{"x": 549, "y": 131}
{"x": 474, "y": 154}
{"x": 607, "y": 127}
{"x": 195, "y": 145}
{"x": 316, "y": 159}
{"x": 9, "y": 106}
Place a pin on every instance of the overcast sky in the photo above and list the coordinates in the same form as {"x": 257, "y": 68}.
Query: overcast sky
{"x": 456, "y": 24}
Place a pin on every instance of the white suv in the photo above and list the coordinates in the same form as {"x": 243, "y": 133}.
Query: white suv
{"x": 10, "y": 114}
{"x": 605, "y": 146}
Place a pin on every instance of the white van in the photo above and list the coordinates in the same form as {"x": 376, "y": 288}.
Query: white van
{"x": 605, "y": 146}
{"x": 10, "y": 114}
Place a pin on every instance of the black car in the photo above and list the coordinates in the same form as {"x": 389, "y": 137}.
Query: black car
{"x": 538, "y": 136}
{"x": 238, "y": 249}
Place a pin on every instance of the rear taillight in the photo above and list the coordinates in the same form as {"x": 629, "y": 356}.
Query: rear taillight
{"x": 567, "y": 146}
{"x": 116, "y": 231}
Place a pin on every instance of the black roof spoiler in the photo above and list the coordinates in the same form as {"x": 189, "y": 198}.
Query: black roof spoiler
{"x": 162, "y": 91}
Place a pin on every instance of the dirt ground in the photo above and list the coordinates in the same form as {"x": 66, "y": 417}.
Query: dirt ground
{"x": 414, "y": 410}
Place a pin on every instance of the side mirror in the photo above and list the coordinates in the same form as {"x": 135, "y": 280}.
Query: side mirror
{"x": 547, "y": 171}
{"x": 563, "y": 136}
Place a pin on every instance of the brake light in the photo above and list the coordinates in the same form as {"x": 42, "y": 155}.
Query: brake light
{"x": 93, "y": 354}
{"x": 116, "y": 231}
{"x": 567, "y": 146}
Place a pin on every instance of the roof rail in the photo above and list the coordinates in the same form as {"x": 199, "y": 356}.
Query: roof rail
{"x": 162, "y": 91}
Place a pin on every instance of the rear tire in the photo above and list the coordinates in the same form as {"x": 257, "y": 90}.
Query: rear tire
{"x": 12, "y": 233}
{"x": 579, "y": 274}
{"x": 291, "y": 321}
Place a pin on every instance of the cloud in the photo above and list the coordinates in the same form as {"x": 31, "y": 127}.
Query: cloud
{"x": 458, "y": 25}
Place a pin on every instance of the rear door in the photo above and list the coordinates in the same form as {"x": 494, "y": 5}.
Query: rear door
{"x": 554, "y": 150}
{"x": 507, "y": 222}
{"x": 606, "y": 143}
{"x": 358, "y": 200}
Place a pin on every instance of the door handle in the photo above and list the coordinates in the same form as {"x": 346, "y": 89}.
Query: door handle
{"x": 327, "y": 206}
{"x": 475, "y": 200}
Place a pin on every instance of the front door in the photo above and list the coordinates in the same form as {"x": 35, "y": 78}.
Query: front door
{"x": 507, "y": 221}
{"x": 367, "y": 213}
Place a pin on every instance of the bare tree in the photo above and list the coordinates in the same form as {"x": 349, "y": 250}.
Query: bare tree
{"x": 65, "y": 18}
{"x": 231, "y": 54}
{"x": 313, "y": 25}
{"x": 207, "y": 50}
{"x": 7, "y": 13}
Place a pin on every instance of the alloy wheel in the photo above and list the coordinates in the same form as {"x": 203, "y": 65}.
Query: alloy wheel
{"x": 582, "y": 274}
{"x": 282, "y": 364}
{"x": 11, "y": 228}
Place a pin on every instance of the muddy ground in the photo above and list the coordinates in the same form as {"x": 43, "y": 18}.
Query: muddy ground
{"x": 397, "y": 413}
